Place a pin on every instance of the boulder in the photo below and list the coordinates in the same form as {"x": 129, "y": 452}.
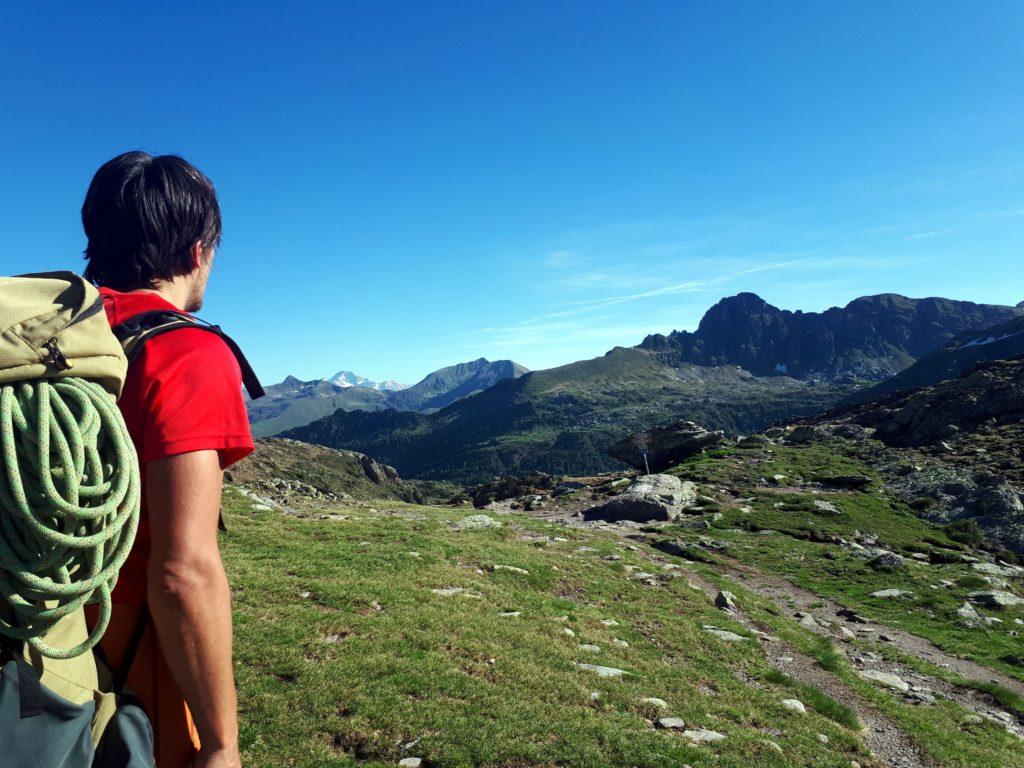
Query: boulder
{"x": 887, "y": 561}
{"x": 996, "y": 599}
{"x": 666, "y": 446}
{"x": 887, "y": 679}
{"x": 647, "y": 498}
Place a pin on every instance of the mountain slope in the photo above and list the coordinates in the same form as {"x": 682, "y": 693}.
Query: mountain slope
{"x": 349, "y": 379}
{"x": 999, "y": 342}
{"x": 872, "y": 337}
{"x": 562, "y": 419}
{"x": 445, "y": 386}
{"x": 293, "y": 403}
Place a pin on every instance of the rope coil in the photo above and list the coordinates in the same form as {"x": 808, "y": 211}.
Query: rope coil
{"x": 69, "y": 506}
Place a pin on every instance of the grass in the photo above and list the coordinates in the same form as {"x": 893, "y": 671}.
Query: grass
{"x": 818, "y": 701}
{"x": 799, "y": 545}
{"x": 346, "y": 656}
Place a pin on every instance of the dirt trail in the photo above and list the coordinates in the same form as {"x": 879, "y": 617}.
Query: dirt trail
{"x": 883, "y": 737}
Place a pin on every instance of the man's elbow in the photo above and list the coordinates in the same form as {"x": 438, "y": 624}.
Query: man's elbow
{"x": 184, "y": 580}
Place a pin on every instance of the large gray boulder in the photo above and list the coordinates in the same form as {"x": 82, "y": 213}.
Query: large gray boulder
{"x": 666, "y": 446}
{"x": 647, "y": 498}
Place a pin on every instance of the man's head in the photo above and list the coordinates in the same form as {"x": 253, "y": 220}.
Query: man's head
{"x": 151, "y": 222}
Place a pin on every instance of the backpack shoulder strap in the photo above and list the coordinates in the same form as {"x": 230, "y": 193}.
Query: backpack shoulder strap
{"x": 137, "y": 330}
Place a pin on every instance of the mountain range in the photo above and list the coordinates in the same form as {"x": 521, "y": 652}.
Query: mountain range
{"x": 747, "y": 365}
{"x": 295, "y": 403}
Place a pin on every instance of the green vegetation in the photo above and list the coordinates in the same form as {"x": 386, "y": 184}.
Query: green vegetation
{"x": 345, "y": 654}
{"x": 562, "y": 420}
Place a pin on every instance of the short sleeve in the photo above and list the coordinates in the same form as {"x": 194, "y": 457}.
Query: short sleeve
{"x": 193, "y": 398}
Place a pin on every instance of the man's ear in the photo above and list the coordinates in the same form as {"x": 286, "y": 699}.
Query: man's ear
{"x": 196, "y": 251}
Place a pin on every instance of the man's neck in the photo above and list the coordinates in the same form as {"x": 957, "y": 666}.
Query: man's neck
{"x": 174, "y": 292}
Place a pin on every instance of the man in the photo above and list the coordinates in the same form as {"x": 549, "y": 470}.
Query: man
{"x": 153, "y": 224}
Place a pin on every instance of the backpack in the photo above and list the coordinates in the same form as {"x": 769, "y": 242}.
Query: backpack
{"x": 69, "y": 510}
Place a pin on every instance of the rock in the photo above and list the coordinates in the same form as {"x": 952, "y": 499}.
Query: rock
{"x": 724, "y": 634}
{"x": 991, "y": 569}
{"x": 753, "y": 441}
{"x": 996, "y": 599}
{"x": 809, "y": 622}
{"x": 666, "y": 446}
{"x": 844, "y": 481}
{"x": 827, "y": 506}
{"x": 448, "y": 591}
{"x": 822, "y": 738}
{"x": 969, "y": 617}
{"x": 476, "y": 523}
{"x": 569, "y": 632}
{"x": 510, "y": 569}
{"x": 600, "y": 671}
{"x": 588, "y": 648}
{"x": 410, "y": 762}
{"x": 672, "y": 723}
{"x": 655, "y": 702}
{"x": 610, "y": 622}
{"x": 891, "y": 593}
{"x": 806, "y": 433}
{"x": 887, "y": 679}
{"x": 620, "y": 643}
{"x": 703, "y": 736}
{"x": 794, "y": 705}
{"x": 888, "y": 562}
{"x": 726, "y": 601}
{"x": 647, "y": 498}
{"x": 511, "y": 614}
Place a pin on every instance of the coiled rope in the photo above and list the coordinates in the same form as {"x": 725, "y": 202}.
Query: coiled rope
{"x": 69, "y": 506}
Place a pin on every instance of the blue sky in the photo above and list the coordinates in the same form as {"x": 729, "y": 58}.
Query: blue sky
{"x": 410, "y": 185}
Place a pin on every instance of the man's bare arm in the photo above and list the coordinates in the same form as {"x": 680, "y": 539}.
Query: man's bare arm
{"x": 189, "y": 597}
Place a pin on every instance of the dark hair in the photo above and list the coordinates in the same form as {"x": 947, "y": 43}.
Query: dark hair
{"x": 142, "y": 215}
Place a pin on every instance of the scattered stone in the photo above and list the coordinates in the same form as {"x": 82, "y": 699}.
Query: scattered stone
{"x": 794, "y": 705}
{"x": 595, "y": 696}
{"x": 823, "y": 738}
{"x": 887, "y": 679}
{"x": 620, "y": 643}
{"x": 510, "y": 569}
{"x": 891, "y": 593}
{"x": 610, "y": 622}
{"x": 726, "y": 601}
{"x": 809, "y": 622}
{"x": 996, "y": 599}
{"x": 655, "y": 702}
{"x": 511, "y": 614}
{"x": 588, "y": 648}
{"x": 827, "y": 506}
{"x": 671, "y": 723}
{"x": 448, "y": 591}
{"x": 724, "y": 634}
{"x": 887, "y": 561}
{"x": 476, "y": 523}
{"x": 600, "y": 671}
{"x": 569, "y": 632}
{"x": 703, "y": 736}
{"x": 410, "y": 762}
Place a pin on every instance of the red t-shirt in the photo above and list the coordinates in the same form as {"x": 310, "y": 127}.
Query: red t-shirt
{"x": 183, "y": 393}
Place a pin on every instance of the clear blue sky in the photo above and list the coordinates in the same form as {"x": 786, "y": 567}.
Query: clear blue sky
{"x": 410, "y": 185}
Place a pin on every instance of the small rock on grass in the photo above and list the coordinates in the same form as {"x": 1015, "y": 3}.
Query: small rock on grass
{"x": 476, "y": 522}
{"x": 726, "y": 601}
{"x": 655, "y": 702}
{"x": 887, "y": 679}
{"x": 890, "y": 593}
{"x": 410, "y": 762}
{"x": 588, "y": 648}
{"x": 794, "y": 705}
{"x": 723, "y": 634}
{"x": 600, "y": 671}
{"x": 511, "y": 569}
{"x": 671, "y": 723}
{"x": 703, "y": 736}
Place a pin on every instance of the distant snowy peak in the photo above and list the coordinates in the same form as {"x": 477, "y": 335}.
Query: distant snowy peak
{"x": 349, "y": 379}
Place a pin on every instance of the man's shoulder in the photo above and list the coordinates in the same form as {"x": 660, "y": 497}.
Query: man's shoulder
{"x": 186, "y": 349}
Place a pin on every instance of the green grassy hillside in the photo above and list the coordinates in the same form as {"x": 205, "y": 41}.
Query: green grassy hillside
{"x": 561, "y": 420}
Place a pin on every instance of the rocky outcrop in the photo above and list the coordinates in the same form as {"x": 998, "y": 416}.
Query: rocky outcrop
{"x": 646, "y": 499}
{"x": 872, "y": 337}
{"x": 666, "y": 446}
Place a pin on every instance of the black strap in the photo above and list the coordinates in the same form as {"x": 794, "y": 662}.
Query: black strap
{"x": 131, "y": 651}
{"x": 136, "y": 331}
{"x": 30, "y": 690}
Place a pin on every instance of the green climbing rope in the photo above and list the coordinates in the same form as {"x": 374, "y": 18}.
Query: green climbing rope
{"x": 69, "y": 506}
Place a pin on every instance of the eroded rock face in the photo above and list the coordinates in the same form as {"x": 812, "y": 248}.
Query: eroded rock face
{"x": 647, "y": 498}
{"x": 666, "y": 446}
